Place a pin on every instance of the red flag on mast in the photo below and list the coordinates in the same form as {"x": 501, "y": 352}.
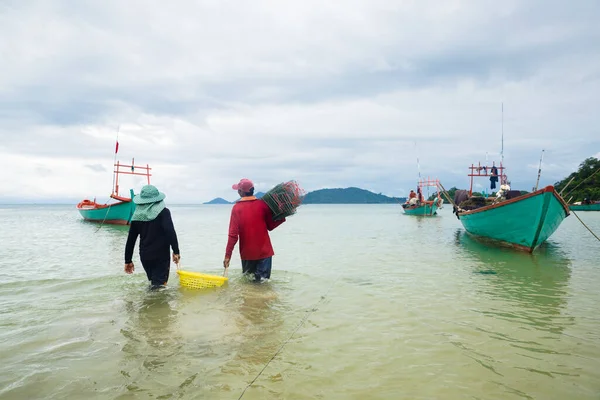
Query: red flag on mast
{"x": 117, "y": 147}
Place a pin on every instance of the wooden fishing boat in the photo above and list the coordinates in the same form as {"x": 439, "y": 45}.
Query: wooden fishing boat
{"x": 418, "y": 205}
{"x": 585, "y": 207}
{"x": 119, "y": 212}
{"x": 519, "y": 221}
{"x": 424, "y": 208}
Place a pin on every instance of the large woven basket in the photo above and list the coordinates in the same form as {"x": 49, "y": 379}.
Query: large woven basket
{"x": 284, "y": 199}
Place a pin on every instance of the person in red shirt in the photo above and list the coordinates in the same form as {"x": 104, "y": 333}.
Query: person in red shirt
{"x": 250, "y": 222}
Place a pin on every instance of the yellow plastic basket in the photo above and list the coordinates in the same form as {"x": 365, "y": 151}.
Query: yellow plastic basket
{"x": 196, "y": 280}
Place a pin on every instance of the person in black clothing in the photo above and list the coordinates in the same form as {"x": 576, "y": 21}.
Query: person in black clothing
{"x": 152, "y": 221}
{"x": 494, "y": 177}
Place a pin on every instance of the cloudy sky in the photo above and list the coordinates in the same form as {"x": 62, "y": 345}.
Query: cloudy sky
{"x": 331, "y": 94}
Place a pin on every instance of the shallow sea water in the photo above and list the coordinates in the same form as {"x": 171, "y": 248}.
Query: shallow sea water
{"x": 364, "y": 302}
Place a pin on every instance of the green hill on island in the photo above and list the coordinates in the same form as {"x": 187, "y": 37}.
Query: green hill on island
{"x": 580, "y": 188}
{"x": 351, "y": 195}
{"x": 220, "y": 200}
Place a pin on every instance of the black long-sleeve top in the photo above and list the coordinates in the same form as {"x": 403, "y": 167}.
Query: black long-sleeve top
{"x": 156, "y": 237}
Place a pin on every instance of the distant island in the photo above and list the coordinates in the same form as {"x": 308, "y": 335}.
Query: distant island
{"x": 351, "y": 195}
{"x": 220, "y": 200}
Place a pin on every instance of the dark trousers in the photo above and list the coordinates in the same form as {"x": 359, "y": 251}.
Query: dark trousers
{"x": 260, "y": 268}
{"x": 157, "y": 271}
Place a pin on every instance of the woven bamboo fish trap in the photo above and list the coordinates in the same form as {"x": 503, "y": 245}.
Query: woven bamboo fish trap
{"x": 284, "y": 199}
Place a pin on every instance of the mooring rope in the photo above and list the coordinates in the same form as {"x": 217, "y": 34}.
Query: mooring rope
{"x": 105, "y": 215}
{"x": 308, "y": 314}
{"x": 587, "y": 227}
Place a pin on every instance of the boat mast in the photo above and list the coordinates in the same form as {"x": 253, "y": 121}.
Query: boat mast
{"x": 130, "y": 170}
{"x": 486, "y": 164}
{"x": 419, "y": 173}
{"x": 475, "y": 171}
{"x": 418, "y": 166}
{"x": 502, "y": 149}
{"x": 115, "y": 160}
{"x": 539, "y": 172}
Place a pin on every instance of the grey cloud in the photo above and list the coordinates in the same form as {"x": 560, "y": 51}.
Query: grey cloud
{"x": 43, "y": 171}
{"x": 77, "y": 94}
{"x": 316, "y": 93}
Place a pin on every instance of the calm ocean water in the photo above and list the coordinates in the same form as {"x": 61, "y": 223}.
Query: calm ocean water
{"x": 393, "y": 307}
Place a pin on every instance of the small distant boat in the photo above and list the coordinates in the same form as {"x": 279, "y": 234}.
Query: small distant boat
{"x": 119, "y": 212}
{"x": 585, "y": 207}
{"x": 519, "y": 221}
{"x": 418, "y": 205}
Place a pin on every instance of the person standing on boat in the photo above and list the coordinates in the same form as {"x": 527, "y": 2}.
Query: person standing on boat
{"x": 493, "y": 177}
{"x": 504, "y": 189}
{"x": 250, "y": 222}
{"x": 152, "y": 221}
{"x": 412, "y": 198}
{"x": 420, "y": 197}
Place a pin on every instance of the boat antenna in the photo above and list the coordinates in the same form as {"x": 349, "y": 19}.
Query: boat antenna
{"x": 486, "y": 164}
{"x": 502, "y": 149}
{"x": 419, "y": 194}
{"x": 115, "y": 160}
{"x": 539, "y": 171}
{"x": 418, "y": 166}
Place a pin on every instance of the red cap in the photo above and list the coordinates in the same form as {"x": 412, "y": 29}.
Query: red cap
{"x": 244, "y": 185}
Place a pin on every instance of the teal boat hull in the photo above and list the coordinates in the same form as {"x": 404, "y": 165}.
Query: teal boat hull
{"x": 423, "y": 210}
{"x": 118, "y": 213}
{"x": 585, "y": 207}
{"x": 524, "y": 222}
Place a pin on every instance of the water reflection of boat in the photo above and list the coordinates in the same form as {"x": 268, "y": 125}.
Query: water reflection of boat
{"x": 535, "y": 284}
{"x": 518, "y": 319}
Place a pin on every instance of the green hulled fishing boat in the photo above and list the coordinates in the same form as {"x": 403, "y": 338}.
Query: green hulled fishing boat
{"x": 119, "y": 212}
{"x": 522, "y": 221}
{"x": 426, "y": 208}
{"x": 585, "y": 207}
{"x": 416, "y": 203}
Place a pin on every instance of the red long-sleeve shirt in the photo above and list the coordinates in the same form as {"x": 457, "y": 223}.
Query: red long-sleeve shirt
{"x": 250, "y": 221}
